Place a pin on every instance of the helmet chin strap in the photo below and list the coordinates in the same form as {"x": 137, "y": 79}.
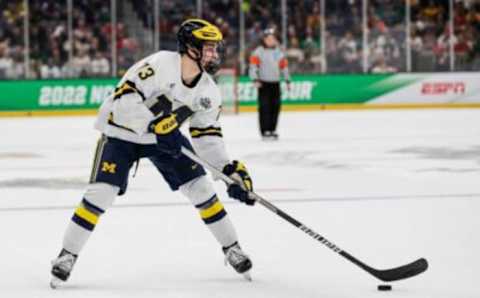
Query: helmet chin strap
{"x": 197, "y": 59}
{"x": 210, "y": 68}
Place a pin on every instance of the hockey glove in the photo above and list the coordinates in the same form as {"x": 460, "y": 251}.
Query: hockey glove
{"x": 166, "y": 129}
{"x": 238, "y": 172}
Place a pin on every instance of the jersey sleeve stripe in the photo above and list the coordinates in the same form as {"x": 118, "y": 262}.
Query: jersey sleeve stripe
{"x": 126, "y": 88}
{"x": 208, "y": 131}
{"x": 112, "y": 123}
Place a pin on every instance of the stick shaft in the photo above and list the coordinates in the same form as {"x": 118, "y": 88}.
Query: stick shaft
{"x": 398, "y": 273}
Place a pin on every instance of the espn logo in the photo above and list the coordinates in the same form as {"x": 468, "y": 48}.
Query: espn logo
{"x": 443, "y": 88}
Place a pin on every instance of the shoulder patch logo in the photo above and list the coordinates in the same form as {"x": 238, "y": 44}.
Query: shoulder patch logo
{"x": 206, "y": 102}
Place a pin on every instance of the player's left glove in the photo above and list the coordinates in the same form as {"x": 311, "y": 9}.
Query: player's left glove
{"x": 238, "y": 172}
{"x": 166, "y": 129}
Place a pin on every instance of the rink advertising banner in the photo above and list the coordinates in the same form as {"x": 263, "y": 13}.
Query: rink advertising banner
{"x": 307, "y": 92}
{"x": 53, "y": 96}
{"x": 373, "y": 91}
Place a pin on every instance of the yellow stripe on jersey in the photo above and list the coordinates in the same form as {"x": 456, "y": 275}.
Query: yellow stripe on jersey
{"x": 197, "y": 133}
{"x": 208, "y": 131}
{"x": 86, "y": 215}
{"x": 126, "y": 88}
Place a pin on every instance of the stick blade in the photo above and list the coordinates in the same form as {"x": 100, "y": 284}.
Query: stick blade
{"x": 402, "y": 272}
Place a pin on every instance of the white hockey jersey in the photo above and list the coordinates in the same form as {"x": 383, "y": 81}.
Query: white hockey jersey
{"x": 141, "y": 95}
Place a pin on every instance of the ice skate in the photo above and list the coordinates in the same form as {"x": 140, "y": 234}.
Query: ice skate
{"x": 238, "y": 260}
{"x": 61, "y": 268}
{"x": 274, "y": 135}
{"x": 269, "y": 136}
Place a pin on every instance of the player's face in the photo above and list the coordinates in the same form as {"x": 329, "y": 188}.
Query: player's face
{"x": 210, "y": 52}
{"x": 211, "y": 56}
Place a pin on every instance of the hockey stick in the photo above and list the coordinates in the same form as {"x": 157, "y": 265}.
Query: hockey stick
{"x": 398, "y": 273}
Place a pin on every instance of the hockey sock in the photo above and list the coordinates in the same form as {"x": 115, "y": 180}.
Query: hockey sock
{"x": 216, "y": 218}
{"x": 81, "y": 226}
{"x": 98, "y": 197}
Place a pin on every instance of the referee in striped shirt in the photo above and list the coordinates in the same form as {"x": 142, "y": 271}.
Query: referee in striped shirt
{"x": 266, "y": 63}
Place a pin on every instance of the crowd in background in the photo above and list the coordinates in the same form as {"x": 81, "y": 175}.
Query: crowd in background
{"x": 50, "y": 53}
{"x": 90, "y": 55}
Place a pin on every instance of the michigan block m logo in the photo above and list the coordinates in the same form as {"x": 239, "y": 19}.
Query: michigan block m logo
{"x": 108, "y": 167}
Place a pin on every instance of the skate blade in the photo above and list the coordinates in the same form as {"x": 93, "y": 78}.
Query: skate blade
{"x": 247, "y": 276}
{"x": 55, "y": 282}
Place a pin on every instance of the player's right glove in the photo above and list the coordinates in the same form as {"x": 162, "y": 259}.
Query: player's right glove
{"x": 238, "y": 172}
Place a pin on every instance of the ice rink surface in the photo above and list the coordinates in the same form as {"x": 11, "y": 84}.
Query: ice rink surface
{"x": 386, "y": 186}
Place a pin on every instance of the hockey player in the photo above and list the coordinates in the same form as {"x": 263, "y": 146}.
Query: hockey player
{"x": 142, "y": 120}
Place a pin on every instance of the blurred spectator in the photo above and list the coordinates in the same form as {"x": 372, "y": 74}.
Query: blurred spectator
{"x": 51, "y": 70}
{"x": 100, "y": 67}
{"x": 81, "y": 64}
{"x": 462, "y": 49}
{"x": 442, "y": 49}
{"x": 6, "y": 62}
{"x": 17, "y": 68}
{"x": 313, "y": 60}
{"x": 385, "y": 47}
{"x": 432, "y": 11}
{"x": 347, "y": 48}
{"x": 381, "y": 66}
